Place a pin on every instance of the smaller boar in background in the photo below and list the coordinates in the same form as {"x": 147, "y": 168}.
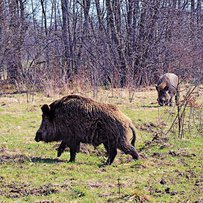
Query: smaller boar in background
{"x": 168, "y": 87}
{"x": 75, "y": 119}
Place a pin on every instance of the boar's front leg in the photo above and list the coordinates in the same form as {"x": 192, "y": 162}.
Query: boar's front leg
{"x": 78, "y": 147}
{"x": 74, "y": 147}
{"x": 72, "y": 154}
{"x": 61, "y": 148}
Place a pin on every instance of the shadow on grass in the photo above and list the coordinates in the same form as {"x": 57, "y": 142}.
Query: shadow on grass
{"x": 54, "y": 161}
{"x": 45, "y": 160}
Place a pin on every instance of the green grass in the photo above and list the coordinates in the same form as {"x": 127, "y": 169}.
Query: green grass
{"x": 170, "y": 169}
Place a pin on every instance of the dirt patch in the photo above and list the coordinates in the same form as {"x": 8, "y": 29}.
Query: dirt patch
{"x": 7, "y": 157}
{"x": 162, "y": 142}
{"x": 20, "y": 190}
{"x": 99, "y": 184}
{"x": 17, "y": 191}
{"x": 137, "y": 196}
{"x": 3, "y": 149}
{"x": 181, "y": 152}
{"x": 86, "y": 149}
{"x": 151, "y": 127}
{"x": 45, "y": 201}
{"x": 15, "y": 159}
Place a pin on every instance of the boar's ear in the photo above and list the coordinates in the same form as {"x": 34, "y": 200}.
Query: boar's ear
{"x": 45, "y": 110}
{"x": 156, "y": 87}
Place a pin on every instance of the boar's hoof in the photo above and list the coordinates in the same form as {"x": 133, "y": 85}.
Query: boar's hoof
{"x": 108, "y": 163}
{"x": 72, "y": 160}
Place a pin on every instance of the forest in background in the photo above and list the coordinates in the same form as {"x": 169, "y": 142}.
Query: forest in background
{"x": 116, "y": 43}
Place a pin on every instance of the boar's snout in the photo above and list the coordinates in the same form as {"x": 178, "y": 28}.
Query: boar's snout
{"x": 162, "y": 101}
{"x": 38, "y": 136}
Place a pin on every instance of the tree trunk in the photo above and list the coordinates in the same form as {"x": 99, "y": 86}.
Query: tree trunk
{"x": 17, "y": 29}
{"x": 114, "y": 24}
{"x": 66, "y": 68}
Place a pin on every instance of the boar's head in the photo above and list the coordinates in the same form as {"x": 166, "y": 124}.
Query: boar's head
{"x": 163, "y": 95}
{"x": 47, "y": 131}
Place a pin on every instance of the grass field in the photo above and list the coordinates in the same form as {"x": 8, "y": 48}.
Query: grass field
{"x": 170, "y": 168}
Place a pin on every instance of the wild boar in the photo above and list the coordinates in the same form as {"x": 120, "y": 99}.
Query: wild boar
{"x": 168, "y": 87}
{"x": 75, "y": 119}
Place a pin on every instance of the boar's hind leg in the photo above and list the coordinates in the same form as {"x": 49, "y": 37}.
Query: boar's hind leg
{"x": 112, "y": 152}
{"x": 129, "y": 149}
{"x": 61, "y": 148}
{"x": 112, "y": 155}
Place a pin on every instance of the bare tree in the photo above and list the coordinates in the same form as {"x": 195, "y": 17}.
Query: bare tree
{"x": 113, "y": 43}
{"x": 17, "y": 28}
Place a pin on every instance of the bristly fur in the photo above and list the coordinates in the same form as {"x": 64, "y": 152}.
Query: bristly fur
{"x": 76, "y": 119}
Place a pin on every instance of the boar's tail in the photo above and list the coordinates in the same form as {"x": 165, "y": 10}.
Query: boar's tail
{"x": 134, "y": 134}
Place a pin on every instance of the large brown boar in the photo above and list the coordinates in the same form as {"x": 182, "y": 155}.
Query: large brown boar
{"x": 74, "y": 119}
{"x": 167, "y": 88}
